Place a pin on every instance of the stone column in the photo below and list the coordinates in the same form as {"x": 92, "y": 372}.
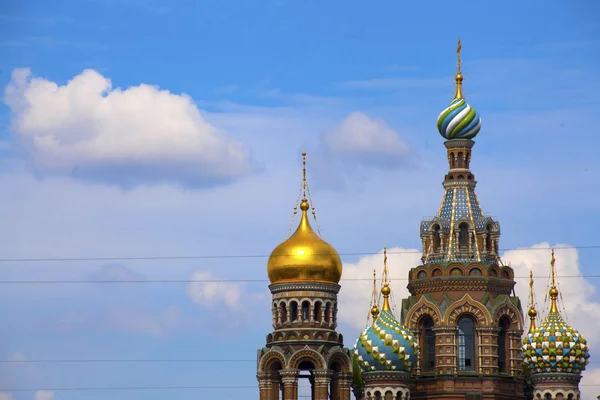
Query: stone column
{"x": 264, "y": 385}
{"x": 322, "y": 380}
{"x": 515, "y": 358}
{"x": 289, "y": 378}
{"x": 445, "y": 348}
{"x": 344, "y": 384}
{"x": 487, "y": 350}
{"x": 417, "y": 334}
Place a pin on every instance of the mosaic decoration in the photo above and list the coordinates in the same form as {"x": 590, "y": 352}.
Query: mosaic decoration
{"x": 386, "y": 346}
{"x": 459, "y": 121}
{"x": 555, "y": 347}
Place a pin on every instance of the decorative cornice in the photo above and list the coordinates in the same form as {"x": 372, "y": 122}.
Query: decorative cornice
{"x": 304, "y": 286}
{"x": 553, "y": 377}
{"x": 462, "y": 283}
{"x": 461, "y": 183}
{"x": 454, "y": 143}
{"x": 398, "y": 376}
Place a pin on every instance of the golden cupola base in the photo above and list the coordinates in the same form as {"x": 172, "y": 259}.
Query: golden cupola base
{"x": 304, "y": 256}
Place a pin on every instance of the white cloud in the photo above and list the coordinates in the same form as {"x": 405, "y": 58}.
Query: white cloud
{"x": 367, "y": 140}
{"x": 355, "y": 294}
{"x": 131, "y": 136}
{"x": 209, "y": 294}
{"x": 44, "y": 395}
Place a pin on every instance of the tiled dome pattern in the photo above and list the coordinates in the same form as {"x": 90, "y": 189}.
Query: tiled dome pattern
{"x": 555, "y": 347}
{"x": 386, "y": 346}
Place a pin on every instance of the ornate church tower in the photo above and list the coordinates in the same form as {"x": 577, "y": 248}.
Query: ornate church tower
{"x": 304, "y": 272}
{"x": 555, "y": 354}
{"x": 462, "y": 307}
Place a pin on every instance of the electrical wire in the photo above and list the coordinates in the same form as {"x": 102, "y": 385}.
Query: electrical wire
{"x": 221, "y": 280}
{"x": 223, "y": 256}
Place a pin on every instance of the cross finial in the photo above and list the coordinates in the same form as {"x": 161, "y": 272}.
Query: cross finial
{"x": 458, "y": 49}
{"x": 304, "y": 174}
{"x": 553, "y": 290}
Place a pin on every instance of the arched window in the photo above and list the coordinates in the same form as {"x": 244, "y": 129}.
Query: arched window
{"x": 294, "y": 307}
{"x": 466, "y": 344}
{"x": 460, "y": 160}
{"x": 317, "y": 311}
{"x": 305, "y": 308}
{"x": 488, "y": 242}
{"x": 427, "y": 345}
{"x": 463, "y": 235}
{"x": 436, "y": 239}
{"x": 503, "y": 344}
{"x": 284, "y": 315}
{"x": 327, "y": 312}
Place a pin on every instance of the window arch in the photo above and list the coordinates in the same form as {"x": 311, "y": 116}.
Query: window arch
{"x": 503, "y": 344}
{"x": 436, "y": 239}
{"x": 305, "y": 309}
{"x": 294, "y": 311}
{"x": 427, "y": 345}
{"x": 317, "y": 316}
{"x": 463, "y": 235}
{"x": 466, "y": 343}
{"x": 460, "y": 160}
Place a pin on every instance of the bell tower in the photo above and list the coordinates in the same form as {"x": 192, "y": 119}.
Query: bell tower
{"x": 462, "y": 306}
{"x": 304, "y": 272}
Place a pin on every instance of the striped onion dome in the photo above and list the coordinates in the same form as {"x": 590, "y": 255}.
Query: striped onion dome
{"x": 459, "y": 121}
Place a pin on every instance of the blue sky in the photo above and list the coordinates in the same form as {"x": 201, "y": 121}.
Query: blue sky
{"x": 154, "y": 128}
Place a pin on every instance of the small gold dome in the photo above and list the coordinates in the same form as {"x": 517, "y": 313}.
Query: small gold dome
{"x": 304, "y": 257}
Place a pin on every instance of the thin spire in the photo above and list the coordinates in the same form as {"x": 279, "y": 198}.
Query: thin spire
{"x": 553, "y": 291}
{"x": 458, "y": 78}
{"x": 304, "y": 184}
{"x": 375, "y": 307}
{"x": 385, "y": 290}
{"x": 532, "y": 312}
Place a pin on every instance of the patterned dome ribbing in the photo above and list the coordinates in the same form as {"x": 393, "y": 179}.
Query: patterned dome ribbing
{"x": 459, "y": 120}
{"x": 386, "y": 345}
{"x": 555, "y": 347}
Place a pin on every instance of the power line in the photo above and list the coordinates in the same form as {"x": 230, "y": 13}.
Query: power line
{"x": 223, "y": 256}
{"x": 229, "y": 280}
{"x": 99, "y": 361}
{"x": 124, "y": 388}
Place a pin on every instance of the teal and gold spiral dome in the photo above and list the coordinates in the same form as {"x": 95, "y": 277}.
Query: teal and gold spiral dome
{"x": 459, "y": 120}
{"x": 554, "y": 346}
{"x": 386, "y": 345}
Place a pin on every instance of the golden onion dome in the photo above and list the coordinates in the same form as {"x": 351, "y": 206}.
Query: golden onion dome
{"x": 304, "y": 256}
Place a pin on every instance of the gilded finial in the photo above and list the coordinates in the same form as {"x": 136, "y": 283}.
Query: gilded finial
{"x": 458, "y": 77}
{"x": 385, "y": 290}
{"x": 532, "y": 312}
{"x": 375, "y": 308}
{"x": 304, "y": 176}
{"x": 553, "y": 289}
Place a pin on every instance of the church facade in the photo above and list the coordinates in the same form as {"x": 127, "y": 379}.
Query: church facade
{"x": 461, "y": 332}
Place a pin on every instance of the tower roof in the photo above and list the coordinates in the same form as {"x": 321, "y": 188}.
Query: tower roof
{"x": 459, "y": 120}
{"x": 555, "y": 346}
{"x": 304, "y": 256}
